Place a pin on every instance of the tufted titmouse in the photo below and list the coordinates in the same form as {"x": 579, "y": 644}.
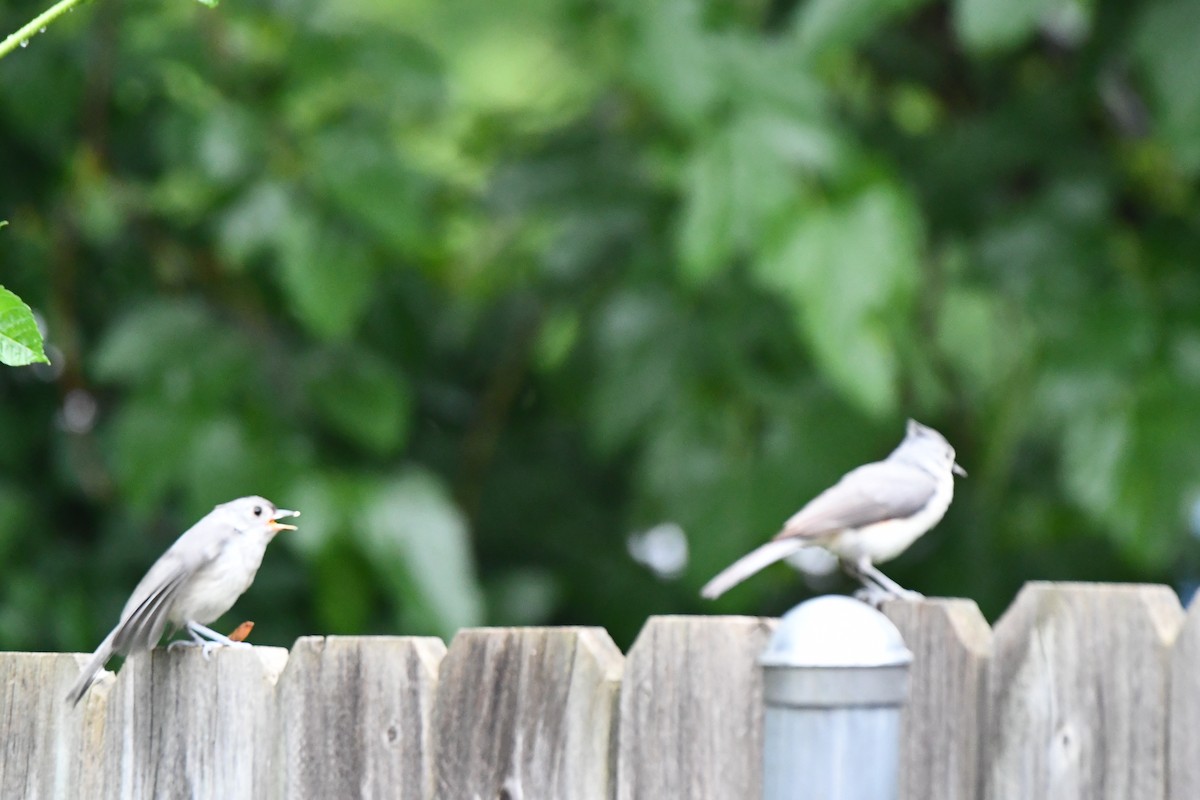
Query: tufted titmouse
{"x": 871, "y": 515}
{"x": 198, "y": 579}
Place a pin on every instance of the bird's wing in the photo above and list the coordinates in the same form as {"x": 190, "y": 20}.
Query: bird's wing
{"x": 142, "y": 627}
{"x": 145, "y": 615}
{"x": 872, "y": 493}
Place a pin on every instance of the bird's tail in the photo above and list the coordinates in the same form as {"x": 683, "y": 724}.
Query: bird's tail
{"x": 749, "y": 564}
{"x": 88, "y": 674}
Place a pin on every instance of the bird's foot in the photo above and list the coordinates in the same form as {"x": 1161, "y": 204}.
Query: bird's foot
{"x": 206, "y": 647}
{"x": 207, "y": 640}
{"x": 873, "y": 595}
{"x": 876, "y": 596}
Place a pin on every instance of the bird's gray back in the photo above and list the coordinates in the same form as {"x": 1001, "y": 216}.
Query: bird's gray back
{"x": 872, "y": 493}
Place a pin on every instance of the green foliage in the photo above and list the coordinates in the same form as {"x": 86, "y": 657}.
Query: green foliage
{"x": 986, "y": 26}
{"x": 486, "y": 289}
{"x": 20, "y": 341}
{"x": 848, "y": 270}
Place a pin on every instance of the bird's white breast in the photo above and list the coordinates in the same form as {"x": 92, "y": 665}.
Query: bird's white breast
{"x": 215, "y": 587}
{"x": 884, "y": 541}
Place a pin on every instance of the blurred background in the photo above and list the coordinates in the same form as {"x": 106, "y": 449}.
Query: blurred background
{"x": 543, "y": 312}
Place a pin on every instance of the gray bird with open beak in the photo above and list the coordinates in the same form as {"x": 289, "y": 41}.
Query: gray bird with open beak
{"x": 198, "y": 579}
{"x": 870, "y": 516}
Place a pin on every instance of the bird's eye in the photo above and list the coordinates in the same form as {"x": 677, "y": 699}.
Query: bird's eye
{"x": 258, "y": 511}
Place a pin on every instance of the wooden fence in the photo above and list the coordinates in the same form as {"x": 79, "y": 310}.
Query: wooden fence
{"x": 1080, "y": 691}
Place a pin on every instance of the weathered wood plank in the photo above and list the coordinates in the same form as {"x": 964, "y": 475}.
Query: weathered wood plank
{"x": 1183, "y": 760}
{"x": 1078, "y": 693}
{"x": 691, "y": 710}
{"x": 40, "y": 739}
{"x": 526, "y": 714}
{"x": 943, "y": 720}
{"x": 178, "y": 726}
{"x": 354, "y": 715}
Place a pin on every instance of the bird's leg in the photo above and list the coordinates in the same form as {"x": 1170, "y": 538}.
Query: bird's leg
{"x": 871, "y": 592}
{"x": 206, "y": 639}
{"x": 874, "y": 581}
{"x": 195, "y": 642}
{"x": 215, "y": 639}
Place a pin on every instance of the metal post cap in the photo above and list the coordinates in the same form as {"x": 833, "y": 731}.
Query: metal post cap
{"x": 834, "y": 651}
{"x": 835, "y": 631}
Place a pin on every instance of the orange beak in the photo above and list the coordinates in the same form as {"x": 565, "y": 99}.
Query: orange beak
{"x": 276, "y": 527}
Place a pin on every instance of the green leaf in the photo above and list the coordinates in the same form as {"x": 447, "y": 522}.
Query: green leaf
{"x": 676, "y": 58}
{"x": 1127, "y": 465}
{"x": 850, "y": 271}
{"x": 1165, "y": 48}
{"x": 556, "y": 338}
{"x": 983, "y": 25}
{"x": 362, "y": 397}
{"x": 255, "y": 222}
{"x": 822, "y": 24}
{"x": 706, "y": 241}
{"x": 150, "y": 339}
{"x": 20, "y": 341}
{"x": 327, "y": 275}
{"x": 412, "y": 531}
{"x": 224, "y": 462}
{"x": 641, "y": 350}
{"x": 745, "y": 179}
{"x": 967, "y": 325}
{"x": 328, "y": 503}
{"x": 371, "y": 184}
{"x": 181, "y": 351}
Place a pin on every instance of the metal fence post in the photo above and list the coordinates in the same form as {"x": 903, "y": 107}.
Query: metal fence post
{"x": 835, "y": 678}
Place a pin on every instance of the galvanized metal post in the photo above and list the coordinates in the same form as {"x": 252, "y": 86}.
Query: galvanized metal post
{"x": 835, "y": 678}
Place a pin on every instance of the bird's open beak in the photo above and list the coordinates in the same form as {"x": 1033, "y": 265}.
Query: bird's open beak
{"x": 957, "y": 470}
{"x": 280, "y": 526}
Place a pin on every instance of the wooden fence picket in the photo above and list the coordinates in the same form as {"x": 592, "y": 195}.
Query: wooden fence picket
{"x": 691, "y": 710}
{"x": 1088, "y": 691}
{"x": 944, "y": 718}
{"x": 525, "y": 713}
{"x": 1078, "y": 704}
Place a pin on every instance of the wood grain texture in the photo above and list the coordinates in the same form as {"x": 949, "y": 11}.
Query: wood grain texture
{"x": 178, "y": 726}
{"x": 943, "y": 720}
{"x": 41, "y": 739}
{"x": 527, "y": 714}
{"x": 355, "y": 716}
{"x": 1090, "y": 692}
{"x": 1078, "y": 693}
{"x": 1183, "y": 758}
{"x": 691, "y": 710}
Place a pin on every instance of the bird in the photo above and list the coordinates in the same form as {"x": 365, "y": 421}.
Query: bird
{"x": 198, "y": 579}
{"x": 869, "y": 516}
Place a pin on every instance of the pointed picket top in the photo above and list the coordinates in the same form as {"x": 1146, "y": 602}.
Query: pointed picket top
{"x": 693, "y": 690}
{"x": 354, "y": 717}
{"x": 526, "y": 713}
{"x": 1078, "y": 702}
{"x": 943, "y": 721}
